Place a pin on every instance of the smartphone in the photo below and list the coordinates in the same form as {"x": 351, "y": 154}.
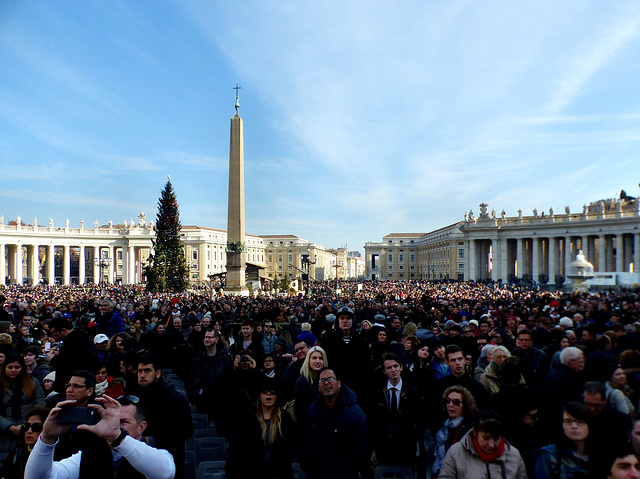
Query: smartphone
{"x": 78, "y": 415}
{"x": 47, "y": 346}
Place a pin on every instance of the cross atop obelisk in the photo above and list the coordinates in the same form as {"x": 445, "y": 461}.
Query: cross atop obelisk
{"x": 236, "y": 262}
{"x": 236, "y": 88}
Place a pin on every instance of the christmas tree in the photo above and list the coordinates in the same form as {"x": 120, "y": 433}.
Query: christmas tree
{"x": 167, "y": 270}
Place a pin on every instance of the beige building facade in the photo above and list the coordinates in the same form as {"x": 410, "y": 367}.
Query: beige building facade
{"x": 417, "y": 256}
{"x": 541, "y": 246}
{"x": 106, "y": 254}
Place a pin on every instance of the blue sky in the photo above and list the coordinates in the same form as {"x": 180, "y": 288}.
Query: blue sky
{"x": 361, "y": 118}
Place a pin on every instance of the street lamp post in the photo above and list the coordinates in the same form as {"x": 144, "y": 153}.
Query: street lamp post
{"x": 101, "y": 263}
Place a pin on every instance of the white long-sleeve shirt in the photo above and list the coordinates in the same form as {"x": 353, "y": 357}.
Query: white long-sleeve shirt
{"x": 151, "y": 462}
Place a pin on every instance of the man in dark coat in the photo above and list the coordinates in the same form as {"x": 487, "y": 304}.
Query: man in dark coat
{"x": 340, "y": 445}
{"x": 348, "y": 352}
{"x": 534, "y": 362}
{"x": 459, "y": 376}
{"x": 395, "y": 418}
{"x": 208, "y": 369}
{"x": 168, "y": 411}
{"x": 561, "y": 385}
{"x": 109, "y": 320}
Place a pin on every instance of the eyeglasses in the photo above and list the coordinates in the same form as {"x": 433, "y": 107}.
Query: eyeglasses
{"x": 34, "y": 426}
{"x": 128, "y": 400}
{"x": 330, "y": 379}
{"x": 456, "y": 402}
{"x": 75, "y": 386}
{"x": 577, "y": 422}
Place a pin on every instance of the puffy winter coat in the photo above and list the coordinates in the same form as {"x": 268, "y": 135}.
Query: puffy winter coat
{"x": 463, "y": 461}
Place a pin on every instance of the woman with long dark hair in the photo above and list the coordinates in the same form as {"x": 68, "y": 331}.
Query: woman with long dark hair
{"x": 13, "y": 466}
{"x": 568, "y": 458}
{"x": 19, "y": 394}
{"x": 266, "y": 446}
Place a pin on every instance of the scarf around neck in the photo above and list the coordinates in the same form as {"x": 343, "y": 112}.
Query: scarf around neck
{"x": 483, "y": 455}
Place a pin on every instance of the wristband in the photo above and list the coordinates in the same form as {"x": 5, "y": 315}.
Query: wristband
{"x": 119, "y": 439}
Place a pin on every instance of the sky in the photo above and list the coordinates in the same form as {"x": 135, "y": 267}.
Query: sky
{"x": 361, "y": 118}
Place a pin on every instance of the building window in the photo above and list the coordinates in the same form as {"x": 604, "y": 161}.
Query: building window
{"x": 412, "y": 257}
{"x": 401, "y": 267}
{"x": 280, "y": 258}
{"x": 401, "y": 275}
{"x": 215, "y": 255}
{"x": 280, "y": 267}
{"x": 119, "y": 255}
{"x": 390, "y": 267}
{"x": 270, "y": 257}
{"x": 412, "y": 268}
{"x": 401, "y": 257}
{"x": 460, "y": 265}
{"x": 194, "y": 254}
{"x": 390, "y": 258}
{"x": 290, "y": 258}
{"x": 290, "y": 266}
{"x": 208, "y": 254}
{"x": 460, "y": 254}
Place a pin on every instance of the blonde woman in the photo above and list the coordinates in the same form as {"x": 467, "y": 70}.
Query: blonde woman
{"x": 306, "y": 387}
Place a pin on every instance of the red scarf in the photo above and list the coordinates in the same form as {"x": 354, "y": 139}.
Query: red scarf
{"x": 483, "y": 455}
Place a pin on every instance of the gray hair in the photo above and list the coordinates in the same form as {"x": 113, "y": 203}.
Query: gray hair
{"x": 569, "y": 354}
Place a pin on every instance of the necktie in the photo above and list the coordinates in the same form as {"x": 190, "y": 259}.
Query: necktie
{"x": 393, "y": 402}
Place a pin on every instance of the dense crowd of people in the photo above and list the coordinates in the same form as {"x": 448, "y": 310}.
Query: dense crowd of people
{"x": 446, "y": 379}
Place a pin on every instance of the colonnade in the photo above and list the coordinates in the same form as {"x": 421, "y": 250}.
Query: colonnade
{"x": 546, "y": 259}
{"x": 70, "y": 264}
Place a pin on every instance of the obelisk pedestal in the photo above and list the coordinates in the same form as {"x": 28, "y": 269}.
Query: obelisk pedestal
{"x": 236, "y": 262}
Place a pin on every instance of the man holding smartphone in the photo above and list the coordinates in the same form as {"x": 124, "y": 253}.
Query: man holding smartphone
{"x": 80, "y": 390}
{"x": 125, "y": 454}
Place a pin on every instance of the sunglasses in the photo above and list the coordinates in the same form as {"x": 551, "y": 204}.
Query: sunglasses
{"x": 268, "y": 391}
{"x": 128, "y": 400}
{"x": 34, "y": 426}
{"x": 456, "y": 402}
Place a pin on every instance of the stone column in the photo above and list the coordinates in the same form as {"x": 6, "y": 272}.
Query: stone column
{"x": 496, "y": 259}
{"x": 535, "y": 258}
{"x": 125, "y": 265}
{"x": 34, "y": 265}
{"x": 553, "y": 260}
{"x": 472, "y": 260}
{"x": 3, "y": 264}
{"x": 636, "y": 252}
{"x": 66, "y": 265}
{"x": 19, "y": 263}
{"x": 519, "y": 258}
{"x": 567, "y": 257}
{"x": 602, "y": 248}
{"x": 131, "y": 265}
{"x": 112, "y": 254}
{"x": 627, "y": 257}
{"x": 619, "y": 253}
{"x": 51, "y": 264}
{"x": 584, "y": 246}
{"x": 504, "y": 260}
{"x": 610, "y": 264}
{"x": 81, "y": 266}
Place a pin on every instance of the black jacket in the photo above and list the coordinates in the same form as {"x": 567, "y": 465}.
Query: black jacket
{"x": 169, "y": 419}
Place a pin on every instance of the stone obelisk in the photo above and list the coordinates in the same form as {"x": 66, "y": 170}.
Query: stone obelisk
{"x": 236, "y": 262}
